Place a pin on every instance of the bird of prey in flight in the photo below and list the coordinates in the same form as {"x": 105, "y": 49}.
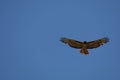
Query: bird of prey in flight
{"x": 84, "y": 45}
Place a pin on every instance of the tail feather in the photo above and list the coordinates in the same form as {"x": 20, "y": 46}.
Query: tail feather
{"x": 84, "y": 51}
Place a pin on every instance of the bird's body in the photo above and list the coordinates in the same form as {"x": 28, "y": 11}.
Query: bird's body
{"x": 84, "y": 45}
{"x": 84, "y": 48}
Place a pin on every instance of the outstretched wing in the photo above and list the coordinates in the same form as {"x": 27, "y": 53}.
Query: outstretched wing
{"x": 72, "y": 43}
{"x": 97, "y": 43}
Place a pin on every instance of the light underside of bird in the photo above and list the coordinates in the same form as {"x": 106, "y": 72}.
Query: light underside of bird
{"x": 84, "y": 45}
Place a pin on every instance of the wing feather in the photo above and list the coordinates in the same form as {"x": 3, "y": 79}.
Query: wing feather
{"x": 72, "y": 43}
{"x": 97, "y": 43}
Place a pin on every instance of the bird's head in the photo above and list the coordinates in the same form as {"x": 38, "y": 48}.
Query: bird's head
{"x": 84, "y": 42}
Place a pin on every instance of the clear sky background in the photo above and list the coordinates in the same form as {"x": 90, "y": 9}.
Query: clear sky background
{"x": 31, "y": 29}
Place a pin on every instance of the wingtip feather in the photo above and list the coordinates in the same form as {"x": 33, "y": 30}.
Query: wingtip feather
{"x": 106, "y": 39}
{"x": 63, "y": 39}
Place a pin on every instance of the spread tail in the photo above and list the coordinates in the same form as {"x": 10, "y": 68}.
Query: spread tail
{"x": 84, "y": 51}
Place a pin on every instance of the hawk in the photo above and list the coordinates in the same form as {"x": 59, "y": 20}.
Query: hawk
{"x": 84, "y": 45}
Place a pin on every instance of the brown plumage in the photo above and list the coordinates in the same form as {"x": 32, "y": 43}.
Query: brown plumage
{"x": 84, "y": 45}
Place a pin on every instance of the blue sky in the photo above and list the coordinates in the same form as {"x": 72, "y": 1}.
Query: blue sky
{"x": 30, "y": 34}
